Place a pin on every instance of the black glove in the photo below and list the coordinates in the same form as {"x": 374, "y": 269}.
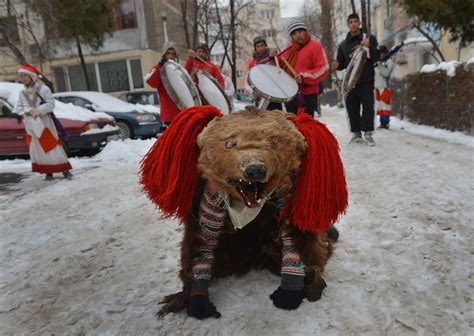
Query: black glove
{"x": 287, "y": 299}
{"x": 201, "y": 308}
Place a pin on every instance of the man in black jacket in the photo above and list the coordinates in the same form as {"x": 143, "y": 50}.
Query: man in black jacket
{"x": 363, "y": 92}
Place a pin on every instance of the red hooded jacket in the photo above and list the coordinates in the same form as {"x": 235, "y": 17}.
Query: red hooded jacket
{"x": 211, "y": 68}
{"x": 168, "y": 109}
{"x": 312, "y": 63}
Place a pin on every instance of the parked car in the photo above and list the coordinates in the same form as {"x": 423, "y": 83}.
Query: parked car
{"x": 132, "y": 120}
{"x": 89, "y": 132}
{"x": 143, "y": 97}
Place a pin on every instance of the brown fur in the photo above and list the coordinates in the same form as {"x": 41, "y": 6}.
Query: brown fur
{"x": 260, "y": 137}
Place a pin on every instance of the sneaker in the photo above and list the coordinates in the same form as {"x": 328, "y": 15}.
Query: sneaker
{"x": 368, "y": 139}
{"x": 356, "y": 138}
{"x": 67, "y": 174}
{"x": 49, "y": 177}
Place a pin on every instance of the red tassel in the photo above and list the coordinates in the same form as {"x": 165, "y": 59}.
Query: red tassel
{"x": 169, "y": 170}
{"x": 320, "y": 194}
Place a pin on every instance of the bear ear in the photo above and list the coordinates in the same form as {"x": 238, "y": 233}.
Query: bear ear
{"x": 168, "y": 172}
{"x": 320, "y": 194}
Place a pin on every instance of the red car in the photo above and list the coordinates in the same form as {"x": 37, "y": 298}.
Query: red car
{"x": 88, "y": 131}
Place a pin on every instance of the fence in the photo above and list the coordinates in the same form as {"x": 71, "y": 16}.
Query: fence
{"x": 435, "y": 99}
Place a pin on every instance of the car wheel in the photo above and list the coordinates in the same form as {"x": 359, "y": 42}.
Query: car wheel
{"x": 125, "y": 131}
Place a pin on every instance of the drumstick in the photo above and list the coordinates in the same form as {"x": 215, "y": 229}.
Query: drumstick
{"x": 199, "y": 58}
{"x": 289, "y": 67}
{"x": 276, "y": 62}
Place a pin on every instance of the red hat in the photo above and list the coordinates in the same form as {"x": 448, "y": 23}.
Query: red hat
{"x": 29, "y": 70}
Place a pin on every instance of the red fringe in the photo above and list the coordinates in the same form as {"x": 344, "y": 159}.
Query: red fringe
{"x": 320, "y": 194}
{"x": 169, "y": 170}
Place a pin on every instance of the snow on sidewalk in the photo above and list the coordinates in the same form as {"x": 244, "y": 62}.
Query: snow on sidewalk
{"x": 93, "y": 256}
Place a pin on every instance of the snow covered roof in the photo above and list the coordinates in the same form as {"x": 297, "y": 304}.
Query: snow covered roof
{"x": 10, "y": 92}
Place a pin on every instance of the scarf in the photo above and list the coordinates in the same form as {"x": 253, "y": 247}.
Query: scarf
{"x": 293, "y": 54}
{"x": 260, "y": 57}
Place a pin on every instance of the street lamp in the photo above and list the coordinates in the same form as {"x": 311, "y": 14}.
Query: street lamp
{"x": 164, "y": 15}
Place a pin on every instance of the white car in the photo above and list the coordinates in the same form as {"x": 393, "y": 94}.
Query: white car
{"x": 133, "y": 120}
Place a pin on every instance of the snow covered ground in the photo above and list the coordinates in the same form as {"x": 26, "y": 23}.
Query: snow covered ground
{"x": 92, "y": 255}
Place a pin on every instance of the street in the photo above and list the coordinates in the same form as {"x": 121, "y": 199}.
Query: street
{"x": 93, "y": 256}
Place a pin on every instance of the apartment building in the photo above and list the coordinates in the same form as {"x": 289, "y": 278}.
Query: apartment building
{"x": 129, "y": 53}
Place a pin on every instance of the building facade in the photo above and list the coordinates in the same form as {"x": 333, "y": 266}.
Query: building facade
{"x": 130, "y": 52}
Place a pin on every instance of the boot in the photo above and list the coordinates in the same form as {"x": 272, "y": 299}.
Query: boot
{"x": 67, "y": 175}
{"x": 369, "y": 139}
{"x": 356, "y": 138}
{"x": 49, "y": 177}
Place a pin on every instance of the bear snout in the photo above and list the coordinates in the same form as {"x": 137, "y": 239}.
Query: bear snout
{"x": 255, "y": 173}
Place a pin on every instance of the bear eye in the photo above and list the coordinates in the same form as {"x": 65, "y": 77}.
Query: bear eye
{"x": 271, "y": 143}
{"x": 230, "y": 143}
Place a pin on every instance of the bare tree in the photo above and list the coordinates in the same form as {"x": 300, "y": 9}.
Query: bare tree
{"x": 363, "y": 10}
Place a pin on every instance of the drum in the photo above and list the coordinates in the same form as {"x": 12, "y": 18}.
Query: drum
{"x": 272, "y": 83}
{"x": 212, "y": 92}
{"x": 354, "y": 70}
{"x": 179, "y": 85}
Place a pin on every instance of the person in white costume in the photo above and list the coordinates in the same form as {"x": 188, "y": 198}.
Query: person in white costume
{"x": 35, "y": 105}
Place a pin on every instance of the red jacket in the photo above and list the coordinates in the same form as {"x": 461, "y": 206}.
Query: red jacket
{"x": 168, "y": 109}
{"x": 193, "y": 64}
{"x": 312, "y": 63}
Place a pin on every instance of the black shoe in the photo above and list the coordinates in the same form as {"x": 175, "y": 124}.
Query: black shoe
{"x": 333, "y": 233}
{"x": 67, "y": 174}
{"x": 49, "y": 177}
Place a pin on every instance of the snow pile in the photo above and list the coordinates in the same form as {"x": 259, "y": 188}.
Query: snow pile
{"x": 10, "y": 92}
{"x": 432, "y": 132}
{"x": 125, "y": 151}
{"x": 449, "y": 67}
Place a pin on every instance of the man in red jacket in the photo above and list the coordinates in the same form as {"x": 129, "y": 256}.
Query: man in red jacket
{"x": 199, "y": 60}
{"x": 168, "y": 109}
{"x": 309, "y": 61}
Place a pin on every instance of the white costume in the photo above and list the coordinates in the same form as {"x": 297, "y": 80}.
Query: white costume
{"x": 46, "y": 152}
{"x": 383, "y": 93}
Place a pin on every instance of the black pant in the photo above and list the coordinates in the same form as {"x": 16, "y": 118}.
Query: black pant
{"x": 310, "y": 102}
{"x": 363, "y": 94}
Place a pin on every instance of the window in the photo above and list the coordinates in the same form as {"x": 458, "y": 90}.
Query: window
{"x": 8, "y": 27}
{"x": 268, "y": 32}
{"x": 267, "y": 14}
{"x": 60, "y": 79}
{"x": 77, "y": 79}
{"x": 137, "y": 74}
{"x": 112, "y": 76}
{"x": 122, "y": 14}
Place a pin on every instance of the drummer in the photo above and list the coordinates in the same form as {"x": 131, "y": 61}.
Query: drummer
{"x": 308, "y": 65}
{"x": 261, "y": 55}
{"x": 199, "y": 60}
{"x": 168, "y": 109}
{"x": 261, "y": 52}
